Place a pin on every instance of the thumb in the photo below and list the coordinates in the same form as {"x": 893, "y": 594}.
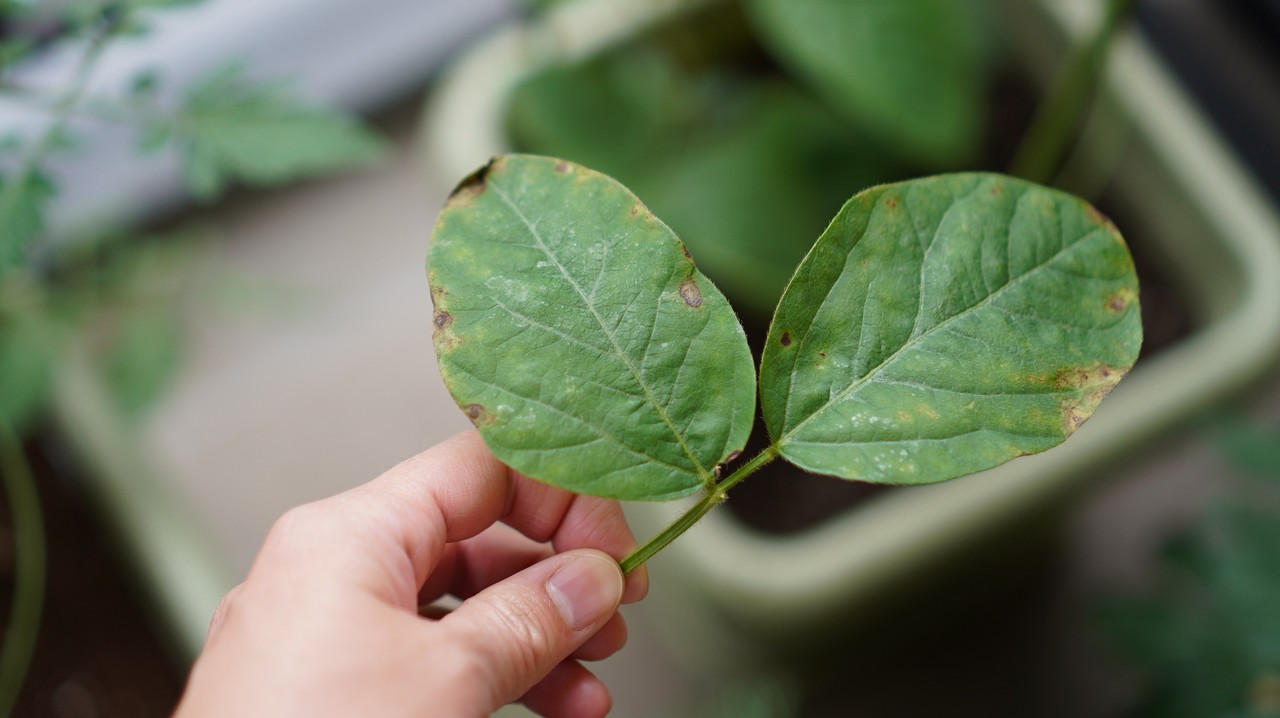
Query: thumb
{"x": 517, "y": 630}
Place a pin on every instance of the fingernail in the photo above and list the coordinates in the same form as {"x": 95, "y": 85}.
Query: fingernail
{"x": 586, "y": 589}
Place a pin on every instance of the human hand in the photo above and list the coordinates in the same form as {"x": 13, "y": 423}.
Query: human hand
{"x": 327, "y": 622}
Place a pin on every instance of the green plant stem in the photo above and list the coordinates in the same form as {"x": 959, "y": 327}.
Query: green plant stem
{"x": 104, "y": 109}
{"x": 713, "y": 498}
{"x": 29, "y": 567}
{"x": 62, "y": 110}
{"x": 1047, "y": 140}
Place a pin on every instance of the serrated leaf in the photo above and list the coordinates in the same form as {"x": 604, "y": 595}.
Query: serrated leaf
{"x": 909, "y": 70}
{"x": 232, "y": 129}
{"x": 578, "y": 336}
{"x": 22, "y": 203}
{"x": 943, "y": 326}
{"x": 144, "y": 84}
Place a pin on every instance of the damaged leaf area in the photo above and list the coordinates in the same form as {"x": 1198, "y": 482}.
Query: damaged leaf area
{"x": 575, "y": 332}
{"x": 943, "y": 326}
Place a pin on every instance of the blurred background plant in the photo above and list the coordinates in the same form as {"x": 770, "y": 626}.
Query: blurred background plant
{"x": 746, "y": 124}
{"x": 118, "y": 296}
{"x": 738, "y": 132}
{"x": 1207, "y": 635}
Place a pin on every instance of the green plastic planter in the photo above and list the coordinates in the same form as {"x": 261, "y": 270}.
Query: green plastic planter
{"x": 1216, "y": 233}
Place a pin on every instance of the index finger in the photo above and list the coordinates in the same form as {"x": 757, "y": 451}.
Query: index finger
{"x": 452, "y": 492}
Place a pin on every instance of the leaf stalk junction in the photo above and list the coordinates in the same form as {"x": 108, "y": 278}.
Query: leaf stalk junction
{"x": 713, "y": 497}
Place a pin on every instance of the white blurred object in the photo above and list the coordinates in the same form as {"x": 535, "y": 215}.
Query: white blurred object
{"x": 356, "y": 54}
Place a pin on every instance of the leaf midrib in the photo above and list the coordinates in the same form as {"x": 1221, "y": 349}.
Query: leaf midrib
{"x": 702, "y": 473}
{"x": 913, "y": 341}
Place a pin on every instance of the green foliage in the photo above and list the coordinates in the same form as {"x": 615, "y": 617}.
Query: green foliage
{"x": 746, "y": 169}
{"x": 231, "y": 129}
{"x": 227, "y": 127}
{"x": 574, "y": 330}
{"x": 939, "y": 327}
{"x": 946, "y": 325}
{"x": 908, "y": 70}
{"x": 1208, "y": 635}
{"x": 144, "y": 357}
{"x": 27, "y": 352}
{"x": 23, "y": 199}
{"x": 759, "y": 696}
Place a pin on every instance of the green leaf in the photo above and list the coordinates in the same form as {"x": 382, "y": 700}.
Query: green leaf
{"x": 612, "y": 112}
{"x": 750, "y": 199}
{"x": 943, "y": 326}
{"x": 234, "y": 130}
{"x": 22, "y": 203}
{"x": 1252, "y": 448}
{"x": 576, "y": 333}
{"x": 747, "y": 171}
{"x": 909, "y": 70}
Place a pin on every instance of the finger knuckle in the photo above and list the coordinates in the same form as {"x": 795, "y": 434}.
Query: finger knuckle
{"x": 292, "y": 527}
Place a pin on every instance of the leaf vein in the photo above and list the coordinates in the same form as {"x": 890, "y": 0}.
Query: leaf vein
{"x": 564, "y": 272}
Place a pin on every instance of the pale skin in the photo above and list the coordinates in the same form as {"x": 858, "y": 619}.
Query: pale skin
{"x": 328, "y": 621}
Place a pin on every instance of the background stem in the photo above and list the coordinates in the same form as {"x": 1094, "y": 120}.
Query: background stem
{"x": 62, "y": 110}
{"x": 1052, "y": 130}
{"x": 29, "y": 567}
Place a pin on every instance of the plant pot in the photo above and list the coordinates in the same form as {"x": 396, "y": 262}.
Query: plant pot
{"x": 730, "y": 588}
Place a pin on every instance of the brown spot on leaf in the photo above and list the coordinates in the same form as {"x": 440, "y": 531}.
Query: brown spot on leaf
{"x": 477, "y": 414}
{"x": 904, "y": 416}
{"x": 822, "y": 355}
{"x": 562, "y": 167}
{"x": 1083, "y": 390}
{"x": 1119, "y": 301}
{"x": 690, "y": 293}
{"x": 635, "y": 209}
{"x": 474, "y": 183}
{"x": 997, "y": 189}
{"x": 685, "y": 251}
{"x": 785, "y": 339}
{"x": 891, "y": 202}
{"x": 443, "y": 320}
